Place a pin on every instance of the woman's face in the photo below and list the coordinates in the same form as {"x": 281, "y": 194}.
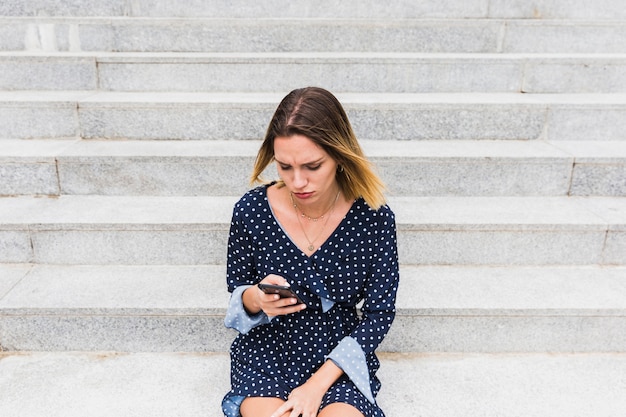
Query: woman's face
{"x": 306, "y": 169}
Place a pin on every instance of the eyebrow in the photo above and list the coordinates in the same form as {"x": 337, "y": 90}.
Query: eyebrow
{"x": 318, "y": 161}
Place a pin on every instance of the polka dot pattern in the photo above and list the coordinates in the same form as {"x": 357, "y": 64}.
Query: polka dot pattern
{"x": 358, "y": 264}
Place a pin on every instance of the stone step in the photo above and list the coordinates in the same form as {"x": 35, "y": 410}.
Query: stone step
{"x": 335, "y": 34}
{"x": 559, "y": 9}
{"x": 424, "y": 168}
{"x": 110, "y": 384}
{"x": 432, "y": 230}
{"x": 440, "y": 309}
{"x": 375, "y": 116}
{"x": 339, "y": 72}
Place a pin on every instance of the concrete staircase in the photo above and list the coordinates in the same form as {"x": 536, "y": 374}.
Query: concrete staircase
{"x": 128, "y": 130}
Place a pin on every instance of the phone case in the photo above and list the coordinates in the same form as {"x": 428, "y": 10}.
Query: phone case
{"x": 282, "y": 291}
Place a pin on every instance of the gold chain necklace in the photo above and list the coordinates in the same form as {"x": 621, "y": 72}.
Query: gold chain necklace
{"x": 311, "y": 247}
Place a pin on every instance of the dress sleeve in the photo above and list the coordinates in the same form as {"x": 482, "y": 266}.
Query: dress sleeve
{"x": 378, "y": 308}
{"x": 240, "y": 275}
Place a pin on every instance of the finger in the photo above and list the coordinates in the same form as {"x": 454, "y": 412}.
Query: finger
{"x": 282, "y": 311}
{"x": 288, "y": 309}
{"x": 281, "y": 410}
{"x": 266, "y": 299}
{"x": 286, "y": 302}
{"x": 275, "y": 279}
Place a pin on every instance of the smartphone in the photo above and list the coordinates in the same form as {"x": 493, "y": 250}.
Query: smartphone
{"x": 282, "y": 290}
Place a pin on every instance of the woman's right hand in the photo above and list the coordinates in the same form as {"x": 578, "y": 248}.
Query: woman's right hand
{"x": 256, "y": 300}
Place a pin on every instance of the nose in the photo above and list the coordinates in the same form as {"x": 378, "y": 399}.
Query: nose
{"x": 299, "y": 179}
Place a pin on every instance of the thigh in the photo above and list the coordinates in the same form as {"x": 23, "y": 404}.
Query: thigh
{"x": 260, "y": 406}
{"x": 339, "y": 410}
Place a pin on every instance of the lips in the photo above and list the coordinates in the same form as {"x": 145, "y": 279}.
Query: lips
{"x": 303, "y": 196}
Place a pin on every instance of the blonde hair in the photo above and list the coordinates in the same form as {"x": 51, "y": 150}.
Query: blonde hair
{"x": 318, "y": 115}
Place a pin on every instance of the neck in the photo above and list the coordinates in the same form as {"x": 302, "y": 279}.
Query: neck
{"x": 315, "y": 215}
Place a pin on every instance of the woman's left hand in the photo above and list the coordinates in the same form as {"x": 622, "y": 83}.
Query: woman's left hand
{"x": 304, "y": 400}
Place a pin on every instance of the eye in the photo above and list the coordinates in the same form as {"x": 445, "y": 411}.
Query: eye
{"x": 314, "y": 167}
{"x": 284, "y": 167}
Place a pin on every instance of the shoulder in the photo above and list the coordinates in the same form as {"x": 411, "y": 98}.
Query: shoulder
{"x": 253, "y": 197}
{"x": 250, "y": 204}
{"x": 383, "y": 213}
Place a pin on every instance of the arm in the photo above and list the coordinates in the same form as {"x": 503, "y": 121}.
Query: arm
{"x": 307, "y": 398}
{"x": 378, "y": 308}
{"x": 249, "y": 307}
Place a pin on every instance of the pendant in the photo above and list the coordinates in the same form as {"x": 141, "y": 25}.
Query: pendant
{"x": 311, "y": 247}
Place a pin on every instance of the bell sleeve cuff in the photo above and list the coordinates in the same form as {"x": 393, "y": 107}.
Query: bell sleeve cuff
{"x": 349, "y": 356}
{"x": 238, "y": 318}
{"x": 326, "y": 304}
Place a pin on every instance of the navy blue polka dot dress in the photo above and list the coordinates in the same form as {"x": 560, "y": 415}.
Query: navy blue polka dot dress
{"x": 357, "y": 265}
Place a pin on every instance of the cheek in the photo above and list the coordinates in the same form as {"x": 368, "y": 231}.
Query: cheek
{"x": 329, "y": 175}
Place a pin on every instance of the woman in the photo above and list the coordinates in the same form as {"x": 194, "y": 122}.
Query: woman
{"x": 323, "y": 230}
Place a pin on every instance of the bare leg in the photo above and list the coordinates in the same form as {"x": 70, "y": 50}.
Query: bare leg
{"x": 339, "y": 410}
{"x": 260, "y": 406}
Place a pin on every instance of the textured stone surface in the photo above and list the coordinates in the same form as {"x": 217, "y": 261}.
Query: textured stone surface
{"x": 222, "y": 167}
{"x": 506, "y": 309}
{"x": 121, "y": 332}
{"x": 153, "y": 246}
{"x": 39, "y": 114}
{"x": 591, "y": 74}
{"x": 601, "y": 123}
{"x": 374, "y": 116}
{"x": 271, "y": 35}
{"x": 460, "y": 130}
{"x": 481, "y": 168}
{"x": 38, "y": 121}
{"x": 29, "y": 167}
{"x": 467, "y": 168}
{"x": 184, "y": 122}
{"x": 599, "y": 167}
{"x": 123, "y": 176}
{"x": 32, "y": 178}
{"x": 292, "y": 35}
{"x": 47, "y": 73}
{"x": 10, "y": 274}
{"x": 557, "y": 36}
{"x": 339, "y": 72}
{"x": 550, "y": 9}
{"x": 222, "y": 8}
{"x": 608, "y": 179}
{"x": 506, "y": 334}
{"x": 395, "y": 73}
{"x": 193, "y": 230}
{"x": 15, "y": 246}
{"x": 95, "y": 290}
{"x": 62, "y": 8}
{"x": 181, "y": 308}
{"x": 515, "y": 247}
{"x": 557, "y": 9}
{"x": 107, "y": 384}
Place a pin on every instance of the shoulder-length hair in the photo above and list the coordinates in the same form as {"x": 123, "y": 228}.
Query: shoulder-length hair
{"x": 317, "y": 114}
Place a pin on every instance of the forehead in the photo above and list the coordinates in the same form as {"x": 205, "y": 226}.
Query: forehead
{"x": 297, "y": 149}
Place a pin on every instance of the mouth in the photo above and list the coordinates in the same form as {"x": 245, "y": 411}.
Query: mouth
{"x": 303, "y": 196}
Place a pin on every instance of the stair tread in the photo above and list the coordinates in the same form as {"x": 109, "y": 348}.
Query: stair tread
{"x": 506, "y": 176}
{"x": 143, "y": 290}
{"x": 411, "y": 212}
{"x": 606, "y": 9}
{"x": 86, "y": 98}
{"x": 108, "y": 384}
{"x": 314, "y": 56}
{"x": 76, "y": 150}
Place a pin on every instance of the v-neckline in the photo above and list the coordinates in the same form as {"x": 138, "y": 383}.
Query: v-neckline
{"x": 290, "y": 239}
